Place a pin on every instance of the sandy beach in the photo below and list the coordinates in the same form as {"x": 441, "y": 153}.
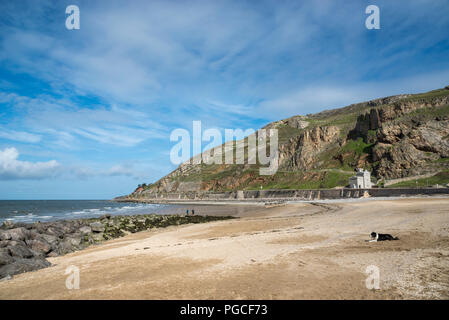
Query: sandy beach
{"x": 292, "y": 251}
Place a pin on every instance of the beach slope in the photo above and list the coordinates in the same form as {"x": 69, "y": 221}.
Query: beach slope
{"x": 294, "y": 251}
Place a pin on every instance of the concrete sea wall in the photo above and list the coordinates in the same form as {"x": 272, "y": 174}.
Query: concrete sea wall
{"x": 267, "y": 195}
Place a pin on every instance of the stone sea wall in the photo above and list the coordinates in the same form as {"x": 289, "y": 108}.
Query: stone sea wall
{"x": 264, "y": 195}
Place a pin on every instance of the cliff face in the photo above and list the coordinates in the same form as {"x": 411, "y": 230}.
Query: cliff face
{"x": 301, "y": 151}
{"x": 408, "y": 137}
{"x": 394, "y": 137}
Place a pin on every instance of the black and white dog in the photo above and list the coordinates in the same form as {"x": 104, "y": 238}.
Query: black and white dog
{"x": 381, "y": 237}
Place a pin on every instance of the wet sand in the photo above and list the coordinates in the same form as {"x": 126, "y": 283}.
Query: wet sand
{"x": 294, "y": 251}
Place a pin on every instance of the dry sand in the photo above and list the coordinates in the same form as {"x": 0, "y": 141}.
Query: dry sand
{"x": 296, "y": 251}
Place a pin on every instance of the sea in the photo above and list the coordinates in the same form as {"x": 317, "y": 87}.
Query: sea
{"x": 30, "y": 211}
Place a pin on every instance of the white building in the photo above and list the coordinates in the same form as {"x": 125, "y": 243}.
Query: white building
{"x": 361, "y": 180}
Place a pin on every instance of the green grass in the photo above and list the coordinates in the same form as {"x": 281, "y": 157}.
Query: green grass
{"x": 358, "y": 146}
{"x": 347, "y": 156}
{"x": 335, "y": 179}
{"x": 302, "y": 180}
{"x": 285, "y": 132}
{"x": 371, "y": 135}
{"x": 441, "y": 178}
{"x": 428, "y": 95}
{"x": 345, "y": 121}
{"x": 348, "y": 115}
{"x": 429, "y": 112}
{"x": 209, "y": 172}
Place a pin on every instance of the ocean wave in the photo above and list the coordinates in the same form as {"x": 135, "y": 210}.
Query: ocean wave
{"x": 29, "y": 215}
{"x": 80, "y": 213}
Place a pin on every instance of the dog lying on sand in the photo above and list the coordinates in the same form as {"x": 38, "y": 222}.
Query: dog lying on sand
{"x": 381, "y": 237}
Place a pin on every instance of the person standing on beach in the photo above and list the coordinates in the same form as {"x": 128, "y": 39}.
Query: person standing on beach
{"x": 187, "y": 212}
{"x": 193, "y": 212}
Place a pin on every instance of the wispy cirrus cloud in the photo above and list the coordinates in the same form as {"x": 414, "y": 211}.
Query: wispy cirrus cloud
{"x": 63, "y": 122}
{"x": 151, "y": 53}
{"x": 20, "y": 136}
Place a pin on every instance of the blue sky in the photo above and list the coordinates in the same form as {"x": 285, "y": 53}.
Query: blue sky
{"x": 87, "y": 114}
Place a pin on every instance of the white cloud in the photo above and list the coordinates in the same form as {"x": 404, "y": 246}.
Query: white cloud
{"x": 64, "y": 123}
{"x": 114, "y": 137}
{"x": 236, "y": 109}
{"x": 13, "y": 169}
{"x": 20, "y": 136}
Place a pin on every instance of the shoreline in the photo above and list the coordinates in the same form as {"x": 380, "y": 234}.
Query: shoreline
{"x": 33, "y": 211}
{"x": 294, "y": 251}
{"x": 26, "y": 246}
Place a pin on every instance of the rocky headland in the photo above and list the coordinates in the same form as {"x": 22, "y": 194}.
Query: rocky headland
{"x": 25, "y": 247}
{"x": 398, "y": 137}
